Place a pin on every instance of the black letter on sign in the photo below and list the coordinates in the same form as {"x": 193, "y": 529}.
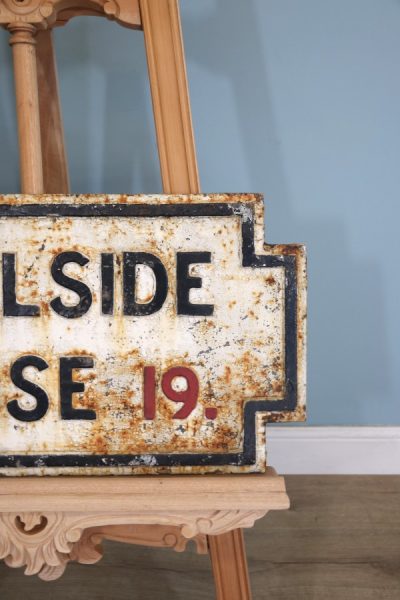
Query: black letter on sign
{"x": 107, "y": 284}
{"x": 131, "y": 307}
{"x": 85, "y": 297}
{"x": 185, "y": 283}
{"x": 68, "y": 387}
{"x": 11, "y": 308}
{"x": 42, "y": 400}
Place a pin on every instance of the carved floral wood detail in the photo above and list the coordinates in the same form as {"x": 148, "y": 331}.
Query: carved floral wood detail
{"x": 44, "y": 543}
{"x": 48, "y": 13}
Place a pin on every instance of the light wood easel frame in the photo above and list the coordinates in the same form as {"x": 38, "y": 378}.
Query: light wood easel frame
{"x": 47, "y": 522}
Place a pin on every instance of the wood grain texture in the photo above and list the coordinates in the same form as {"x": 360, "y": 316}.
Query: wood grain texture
{"x": 43, "y": 520}
{"x": 141, "y": 493}
{"x": 89, "y": 548}
{"x": 170, "y": 96}
{"x": 23, "y": 45}
{"x": 55, "y": 166}
{"x": 229, "y": 565}
{"x": 339, "y": 541}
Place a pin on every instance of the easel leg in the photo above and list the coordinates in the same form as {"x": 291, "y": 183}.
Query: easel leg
{"x": 176, "y": 148}
{"x": 229, "y": 563}
{"x": 170, "y": 96}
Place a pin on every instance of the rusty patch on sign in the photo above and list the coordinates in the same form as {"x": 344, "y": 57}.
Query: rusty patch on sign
{"x": 145, "y": 334}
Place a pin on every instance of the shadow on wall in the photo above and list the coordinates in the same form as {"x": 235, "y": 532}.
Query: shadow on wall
{"x": 111, "y": 147}
{"x": 106, "y": 103}
{"x": 106, "y": 109}
{"x": 348, "y": 348}
{"x": 9, "y": 176}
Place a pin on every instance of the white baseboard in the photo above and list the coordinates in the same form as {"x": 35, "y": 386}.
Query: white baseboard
{"x": 334, "y": 450}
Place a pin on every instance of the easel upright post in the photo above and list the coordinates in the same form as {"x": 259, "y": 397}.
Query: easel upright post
{"x": 170, "y": 96}
{"x": 179, "y": 171}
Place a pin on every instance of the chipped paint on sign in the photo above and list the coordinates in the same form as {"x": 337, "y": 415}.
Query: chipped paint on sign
{"x": 145, "y": 334}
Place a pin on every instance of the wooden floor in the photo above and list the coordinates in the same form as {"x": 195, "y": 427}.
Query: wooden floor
{"x": 339, "y": 541}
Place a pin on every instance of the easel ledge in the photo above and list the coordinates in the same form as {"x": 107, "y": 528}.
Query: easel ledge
{"x": 182, "y": 493}
{"x": 62, "y": 519}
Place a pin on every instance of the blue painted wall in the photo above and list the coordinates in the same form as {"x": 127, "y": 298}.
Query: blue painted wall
{"x": 299, "y": 100}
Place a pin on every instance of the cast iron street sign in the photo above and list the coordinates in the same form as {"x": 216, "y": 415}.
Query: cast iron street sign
{"x": 145, "y": 334}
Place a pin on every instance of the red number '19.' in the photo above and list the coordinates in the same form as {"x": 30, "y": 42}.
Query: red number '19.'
{"x": 188, "y": 396}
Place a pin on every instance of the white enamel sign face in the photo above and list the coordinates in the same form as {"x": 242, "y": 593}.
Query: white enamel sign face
{"x": 145, "y": 334}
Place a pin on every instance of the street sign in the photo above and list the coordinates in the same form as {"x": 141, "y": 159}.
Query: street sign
{"x": 145, "y": 334}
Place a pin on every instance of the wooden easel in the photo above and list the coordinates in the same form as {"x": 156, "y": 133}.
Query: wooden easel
{"x": 47, "y": 522}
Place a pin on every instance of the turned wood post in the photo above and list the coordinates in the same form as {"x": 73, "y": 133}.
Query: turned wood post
{"x": 23, "y": 44}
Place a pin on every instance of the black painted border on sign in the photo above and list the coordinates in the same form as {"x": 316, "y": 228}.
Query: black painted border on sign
{"x": 249, "y": 259}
